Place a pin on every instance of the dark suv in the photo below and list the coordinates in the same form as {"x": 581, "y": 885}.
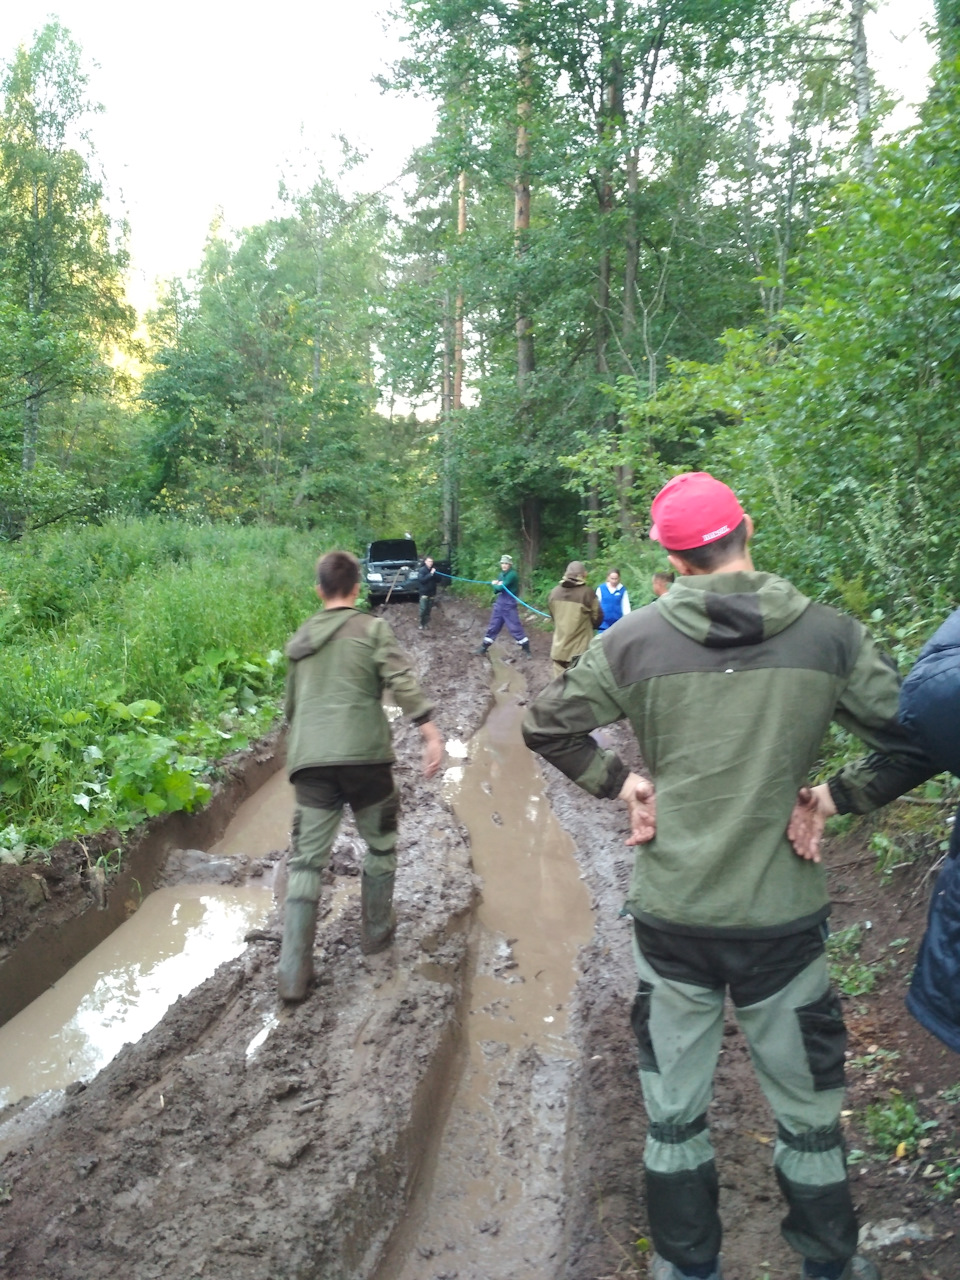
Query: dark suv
{"x": 390, "y": 570}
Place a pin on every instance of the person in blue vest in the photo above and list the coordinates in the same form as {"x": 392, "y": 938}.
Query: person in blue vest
{"x": 930, "y": 712}
{"x": 614, "y": 600}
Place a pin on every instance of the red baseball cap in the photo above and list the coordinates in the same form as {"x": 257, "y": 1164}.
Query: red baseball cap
{"x": 693, "y": 510}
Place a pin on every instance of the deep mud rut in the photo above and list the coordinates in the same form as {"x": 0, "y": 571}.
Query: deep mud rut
{"x": 242, "y": 1139}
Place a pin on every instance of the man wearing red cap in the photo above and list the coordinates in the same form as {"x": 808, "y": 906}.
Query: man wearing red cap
{"x": 730, "y": 681}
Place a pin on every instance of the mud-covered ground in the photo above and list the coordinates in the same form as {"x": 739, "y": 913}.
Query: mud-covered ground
{"x": 213, "y": 1149}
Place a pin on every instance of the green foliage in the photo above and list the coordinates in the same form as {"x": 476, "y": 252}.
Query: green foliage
{"x": 836, "y": 423}
{"x": 62, "y": 310}
{"x": 848, "y": 973}
{"x": 897, "y": 1127}
{"x": 262, "y": 387}
{"x": 135, "y": 654}
{"x": 948, "y": 1184}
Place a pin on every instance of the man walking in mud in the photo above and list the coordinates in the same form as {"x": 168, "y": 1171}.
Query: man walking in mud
{"x": 339, "y": 752}
{"x": 730, "y": 681}
{"x": 576, "y": 614}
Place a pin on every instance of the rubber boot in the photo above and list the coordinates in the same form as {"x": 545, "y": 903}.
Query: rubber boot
{"x": 481, "y": 650}
{"x": 378, "y": 920}
{"x": 296, "y": 954}
{"x": 525, "y": 647}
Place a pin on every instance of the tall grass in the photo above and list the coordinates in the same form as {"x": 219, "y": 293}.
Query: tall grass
{"x": 179, "y": 623}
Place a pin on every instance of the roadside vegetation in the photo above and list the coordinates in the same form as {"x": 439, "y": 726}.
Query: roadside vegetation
{"x": 645, "y": 238}
{"x": 133, "y": 655}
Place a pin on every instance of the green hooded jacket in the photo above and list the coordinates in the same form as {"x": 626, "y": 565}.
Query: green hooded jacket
{"x": 576, "y": 615}
{"x": 729, "y": 681}
{"x": 340, "y": 662}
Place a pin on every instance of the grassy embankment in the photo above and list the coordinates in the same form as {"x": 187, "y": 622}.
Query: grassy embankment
{"x": 132, "y": 656}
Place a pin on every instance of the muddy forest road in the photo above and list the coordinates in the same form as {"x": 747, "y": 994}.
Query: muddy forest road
{"x": 462, "y": 1107}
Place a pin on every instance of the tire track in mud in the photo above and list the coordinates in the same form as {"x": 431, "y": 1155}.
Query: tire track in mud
{"x": 492, "y": 1206}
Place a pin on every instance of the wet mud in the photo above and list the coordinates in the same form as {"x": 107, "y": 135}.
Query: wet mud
{"x": 419, "y": 1117}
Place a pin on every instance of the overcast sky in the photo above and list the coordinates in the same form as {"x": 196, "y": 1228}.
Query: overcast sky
{"x": 205, "y": 103}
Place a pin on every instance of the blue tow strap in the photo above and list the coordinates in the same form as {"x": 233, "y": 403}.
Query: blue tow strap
{"x": 474, "y": 582}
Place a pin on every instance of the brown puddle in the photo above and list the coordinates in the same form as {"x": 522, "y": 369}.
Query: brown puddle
{"x": 122, "y": 988}
{"x": 484, "y": 1213}
{"x": 261, "y": 824}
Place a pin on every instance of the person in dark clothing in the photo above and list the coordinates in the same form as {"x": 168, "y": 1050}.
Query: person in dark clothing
{"x": 427, "y": 581}
{"x": 730, "y": 681}
{"x": 930, "y": 712}
{"x": 504, "y": 612}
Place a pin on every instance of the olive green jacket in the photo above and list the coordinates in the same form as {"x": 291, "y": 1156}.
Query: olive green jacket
{"x": 576, "y": 615}
{"x": 340, "y": 662}
{"x": 729, "y": 681}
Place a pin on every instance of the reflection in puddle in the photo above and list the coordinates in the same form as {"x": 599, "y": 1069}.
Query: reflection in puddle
{"x": 125, "y": 985}
{"x": 452, "y": 778}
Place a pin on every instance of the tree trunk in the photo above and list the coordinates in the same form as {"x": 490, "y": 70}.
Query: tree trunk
{"x": 31, "y": 406}
{"x": 593, "y": 542}
{"x": 521, "y": 217}
{"x": 861, "y": 81}
{"x": 31, "y": 426}
{"x": 458, "y": 319}
{"x": 447, "y": 435}
{"x": 530, "y": 528}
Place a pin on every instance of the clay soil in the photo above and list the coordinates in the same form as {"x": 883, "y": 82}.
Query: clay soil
{"x": 208, "y": 1149}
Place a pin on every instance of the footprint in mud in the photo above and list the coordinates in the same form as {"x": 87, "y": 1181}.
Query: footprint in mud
{"x": 495, "y": 817}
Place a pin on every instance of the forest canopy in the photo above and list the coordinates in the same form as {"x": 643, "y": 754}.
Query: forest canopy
{"x": 648, "y": 235}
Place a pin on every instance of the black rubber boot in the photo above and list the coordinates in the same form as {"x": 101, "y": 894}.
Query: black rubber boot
{"x": 296, "y": 954}
{"x": 378, "y": 920}
{"x": 525, "y": 647}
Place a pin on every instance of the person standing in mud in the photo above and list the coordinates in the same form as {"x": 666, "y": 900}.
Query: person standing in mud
{"x": 613, "y": 599}
{"x": 729, "y": 682}
{"x": 576, "y": 614}
{"x": 427, "y": 583}
{"x": 339, "y": 752}
{"x": 504, "y": 612}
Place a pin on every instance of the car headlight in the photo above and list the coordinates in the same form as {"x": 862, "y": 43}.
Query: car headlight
{"x": 374, "y": 577}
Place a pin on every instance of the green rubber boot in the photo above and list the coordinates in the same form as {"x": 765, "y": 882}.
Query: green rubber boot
{"x": 296, "y": 954}
{"x": 378, "y": 920}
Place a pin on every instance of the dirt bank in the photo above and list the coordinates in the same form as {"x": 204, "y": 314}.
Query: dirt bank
{"x": 246, "y": 1140}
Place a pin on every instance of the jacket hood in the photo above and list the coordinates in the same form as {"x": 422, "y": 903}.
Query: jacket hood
{"x": 721, "y": 610}
{"x": 316, "y": 631}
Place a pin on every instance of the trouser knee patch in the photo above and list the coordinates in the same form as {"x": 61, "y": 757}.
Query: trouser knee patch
{"x": 824, "y": 1040}
{"x": 640, "y": 1021}
{"x": 682, "y": 1208}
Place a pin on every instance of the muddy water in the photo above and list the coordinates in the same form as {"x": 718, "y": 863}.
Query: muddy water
{"x": 125, "y": 985}
{"x": 262, "y": 823}
{"x": 493, "y": 1203}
